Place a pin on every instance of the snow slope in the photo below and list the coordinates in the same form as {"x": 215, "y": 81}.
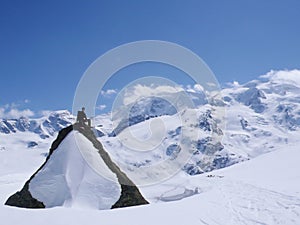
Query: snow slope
{"x": 245, "y": 193}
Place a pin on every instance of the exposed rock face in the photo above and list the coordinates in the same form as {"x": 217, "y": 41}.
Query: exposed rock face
{"x": 24, "y": 199}
{"x": 130, "y": 194}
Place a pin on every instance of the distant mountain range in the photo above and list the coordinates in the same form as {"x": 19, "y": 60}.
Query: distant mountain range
{"x": 258, "y": 116}
{"x": 45, "y": 127}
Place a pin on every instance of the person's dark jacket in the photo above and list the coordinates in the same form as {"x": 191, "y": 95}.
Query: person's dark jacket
{"x": 81, "y": 117}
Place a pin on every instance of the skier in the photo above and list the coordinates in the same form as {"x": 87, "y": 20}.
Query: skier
{"x": 81, "y": 118}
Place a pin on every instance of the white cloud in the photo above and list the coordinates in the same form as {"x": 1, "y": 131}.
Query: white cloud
{"x": 12, "y": 111}
{"x": 2, "y": 110}
{"x": 211, "y": 84}
{"x": 198, "y": 88}
{"x": 101, "y": 107}
{"x": 44, "y": 113}
{"x": 15, "y": 113}
{"x": 190, "y": 89}
{"x": 108, "y": 92}
{"x": 233, "y": 84}
{"x": 195, "y": 89}
{"x": 284, "y": 76}
{"x": 142, "y": 91}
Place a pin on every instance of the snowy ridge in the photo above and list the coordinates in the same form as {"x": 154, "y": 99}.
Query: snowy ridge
{"x": 45, "y": 127}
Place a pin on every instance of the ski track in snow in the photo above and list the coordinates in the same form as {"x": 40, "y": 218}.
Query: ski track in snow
{"x": 221, "y": 201}
{"x": 249, "y": 204}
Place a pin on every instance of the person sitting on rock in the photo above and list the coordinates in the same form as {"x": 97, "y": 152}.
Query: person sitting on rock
{"x": 81, "y": 118}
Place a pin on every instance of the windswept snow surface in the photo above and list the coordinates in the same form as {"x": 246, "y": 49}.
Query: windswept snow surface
{"x": 67, "y": 179}
{"x": 264, "y": 190}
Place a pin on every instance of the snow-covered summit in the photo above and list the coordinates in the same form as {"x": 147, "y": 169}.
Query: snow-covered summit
{"x": 274, "y": 97}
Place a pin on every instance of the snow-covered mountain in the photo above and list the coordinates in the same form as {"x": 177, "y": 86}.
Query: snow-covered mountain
{"x": 45, "y": 127}
{"x": 263, "y": 114}
{"x": 25, "y": 134}
{"x": 144, "y": 109}
{"x": 255, "y": 126}
{"x": 255, "y": 118}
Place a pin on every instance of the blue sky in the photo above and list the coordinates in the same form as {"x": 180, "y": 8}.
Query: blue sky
{"x": 45, "y": 46}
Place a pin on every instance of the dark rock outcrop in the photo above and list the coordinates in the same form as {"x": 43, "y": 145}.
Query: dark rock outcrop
{"x": 24, "y": 199}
